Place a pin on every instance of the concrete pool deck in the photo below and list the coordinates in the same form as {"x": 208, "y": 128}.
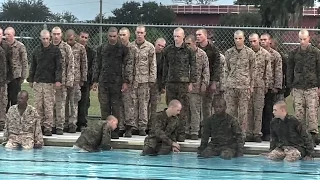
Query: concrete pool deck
{"x": 136, "y": 142}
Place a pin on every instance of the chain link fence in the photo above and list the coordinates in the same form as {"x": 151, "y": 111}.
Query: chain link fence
{"x": 28, "y": 33}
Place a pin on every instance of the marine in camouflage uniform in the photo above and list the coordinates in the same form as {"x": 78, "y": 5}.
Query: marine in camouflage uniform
{"x": 80, "y": 77}
{"x": 262, "y": 78}
{"x": 289, "y": 138}
{"x": 203, "y": 76}
{"x": 275, "y": 86}
{"x": 23, "y": 125}
{"x": 303, "y": 76}
{"x": 3, "y": 88}
{"x": 179, "y": 72}
{"x": 98, "y": 136}
{"x": 240, "y": 65}
{"x": 226, "y": 134}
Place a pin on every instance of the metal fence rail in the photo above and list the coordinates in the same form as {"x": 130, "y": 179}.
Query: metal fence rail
{"x": 28, "y": 33}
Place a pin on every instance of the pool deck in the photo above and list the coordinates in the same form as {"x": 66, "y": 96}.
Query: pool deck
{"x": 136, "y": 142}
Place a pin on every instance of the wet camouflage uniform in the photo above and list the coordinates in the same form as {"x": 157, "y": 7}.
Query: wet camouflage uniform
{"x": 67, "y": 63}
{"x": 3, "y": 88}
{"x": 262, "y": 78}
{"x": 303, "y": 76}
{"x": 179, "y": 71}
{"x": 80, "y": 76}
{"x": 95, "y": 138}
{"x": 84, "y": 103}
{"x": 24, "y": 130}
{"x": 108, "y": 71}
{"x": 155, "y": 90}
{"x": 270, "y": 97}
{"x": 163, "y": 133}
{"x": 45, "y": 71}
{"x": 289, "y": 140}
{"x": 19, "y": 68}
{"x": 239, "y": 79}
{"x": 226, "y": 137}
{"x": 203, "y": 76}
{"x": 214, "y": 67}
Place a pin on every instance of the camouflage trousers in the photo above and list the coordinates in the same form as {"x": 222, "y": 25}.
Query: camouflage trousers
{"x": 44, "y": 99}
{"x": 110, "y": 99}
{"x": 73, "y": 97}
{"x": 3, "y": 105}
{"x": 130, "y": 116}
{"x": 193, "y": 122}
{"x": 180, "y": 92}
{"x": 152, "y": 146}
{"x": 255, "y": 110}
{"x": 59, "y": 115}
{"x": 141, "y": 96}
{"x": 15, "y": 141}
{"x": 225, "y": 152}
{"x": 155, "y": 98}
{"x": 237, "y": 105}
{"x": 306, "y": 107}
{"x": 207, "y": 103}
{"x": 287, "y": 153}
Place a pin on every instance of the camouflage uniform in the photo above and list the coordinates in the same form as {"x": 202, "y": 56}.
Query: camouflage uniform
{"x": 303, "y": 75}
{"x": 24, "y": 130}
{"x": 80, "y": 76}
{"x": 220, "y": 84}
{"x": 145, "y": 68}
{"x": 3, "y": 88}
{"x": 163, "y": 133}
{"x": 203, "y": 75}
{"x": 239, "y": 69}
{"x": 270, "y": 97}
{"x": 95, "y": 138}
{"x": 45, "y": 71}
{"x": 226, "y": 137}
{"x": 262, "y": 78}
{"x": 214, "y": 67}
{"x": 155, "y": 90}
{"x": 67, "y": 63}
{"x": 289, "y": 140}
{"x": 19, "y": 68}
{"x": 108, "y": 71}
{"x": 179, "y": 71}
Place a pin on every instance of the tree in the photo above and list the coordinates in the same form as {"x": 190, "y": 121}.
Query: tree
{"x": 66, "y": 16}
{"x": 203, "y": 2}
{"x": 25, "y": 10}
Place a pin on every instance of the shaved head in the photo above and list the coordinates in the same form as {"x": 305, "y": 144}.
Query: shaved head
{"x": 304, "y": 32}
{"x": 254, "y": 35}
{"x": 239, "y": 33}
{"x": 179, "y": 30}
{"x": 174, "y": 103}
{"x": 304, "y": 38}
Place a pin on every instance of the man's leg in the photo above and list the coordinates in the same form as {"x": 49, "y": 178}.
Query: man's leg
{"x": 14, "y": 87}
{"x": 116, "y": 106}
{"x": 292, "y": 154}
{"x": 312, "y": 103}
{"x": 3, "y": 106}
{"x": 153, "y": 102}
{"x": 207, "y": 104}
{"x": 209, "y": 152}
{"x": 258, "y": 103}
{"x": 104, "y": 100}
{"x": 164, "y": 149}
{"x": 49, "y": 100}
{"x": 129, "y": 99}
{"x": 299, "y": 103}
{"x": 243, "y": 99}
{"x": 195, "y": 115}
{"x": 149, "y": 147}
{"x": 143, "y": 99}
{"x": 39, "y": 101}
{"x": 60, "y": 95}
{"x": 12, "y": 144}
{"x": 269, "y": 101}
{"x": 250, "y": 123}
{"x": 75, "y": 97}
{"x": 27, "y": 143}
{"x": 183, "y": 97}
{"x": 227, "y": 153}
{"x": 83, "y": 106}
{"x": 231, "y": 97}
{"x": 276, "y": 154}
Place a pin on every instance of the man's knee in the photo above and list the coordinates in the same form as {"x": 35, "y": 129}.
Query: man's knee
{"x": 276, "y": 154}
{"x": 164, "y": 150}
{"x": 208, "y": 152}
{"x": 147, "y": 150}
{"x": 292, "y": 155}
{"x": 227, "y": 154}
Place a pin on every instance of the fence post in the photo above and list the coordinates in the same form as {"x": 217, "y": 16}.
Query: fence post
{"x": 45, "y": 26}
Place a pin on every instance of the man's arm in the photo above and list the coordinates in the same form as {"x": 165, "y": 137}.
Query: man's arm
{"x": 38, "y": 137}
{"x": 318, "y": 67}
{"x": 58, "y": 72}
{"x": 205, "y": 74}
{"x": 97, "y": 65}
{"x": 70, "y": 66}
{"x": 165, "y": 67}
{"x": 290, "y": 70}
{"x": 84, "y": 64}
{"x": 252, "y": 68}
{"x": 33, "y": 68}
{"x": 3, "y": 68}
{"x": 215, "y": 69}
{"x": 193, "y": 67}
{"x": 106, "y": 139}
{"x": 24, "y": 61}
{"x": 278, "y": 73}
{"x": 152, "y": 65}
{"x": 268, "y": 71}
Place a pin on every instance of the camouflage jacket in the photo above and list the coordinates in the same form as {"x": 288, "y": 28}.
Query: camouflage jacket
{"x": 129, "y": 61}
{"x": 303, "y": 68}
{"x": 263, "y": 72}
{"x": 203, "y": 73}
{"x": 110, "y": 63}
{"x": 3, "y": 68}
{"x": 26, "y": 125}
{"x": 8, "y": 53}
{"x": 222, "y": 81}
{"x": 239, "y": 68}
{"x": 46, "y": 65}
{"x": 145, "y": 65}
{"x": 80, "y": 62}
{"x": 91, "y": 55}
{"x": 95, "y": 138}
{"x": 164, "y": 128}
{"x": 19, "y": 60}
{"x": 214, "y": 60}
{"x": 179, "y": 65}
{"x": 276, "y": 66}
{"x": 67, "y": 63}
{"x": 225, "y": 131}
{"x": 290, "y": 132}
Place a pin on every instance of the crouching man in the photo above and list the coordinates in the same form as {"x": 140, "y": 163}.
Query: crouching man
{"x": 289, "y": 138}
{"x": 97, "y": 137}
{"x": 226, "y": 134}
{"x": 162, "y": 136}
{"x": 22, "y": 127}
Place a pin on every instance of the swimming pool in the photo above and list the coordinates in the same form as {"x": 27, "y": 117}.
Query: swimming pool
{"x": 64, "y": 163}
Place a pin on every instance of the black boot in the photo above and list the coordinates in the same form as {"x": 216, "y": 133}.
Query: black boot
{"x": 128, "y": 132}
{"x": 181, "y": 138}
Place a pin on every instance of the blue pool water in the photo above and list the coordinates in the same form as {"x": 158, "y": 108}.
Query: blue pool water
{"x": 64, "y": 163}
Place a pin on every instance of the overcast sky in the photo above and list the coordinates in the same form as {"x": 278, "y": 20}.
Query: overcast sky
{"x": 88, "y": 9}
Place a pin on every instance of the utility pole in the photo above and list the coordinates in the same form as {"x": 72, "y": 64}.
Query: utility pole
{"x": 100, "y": 31}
